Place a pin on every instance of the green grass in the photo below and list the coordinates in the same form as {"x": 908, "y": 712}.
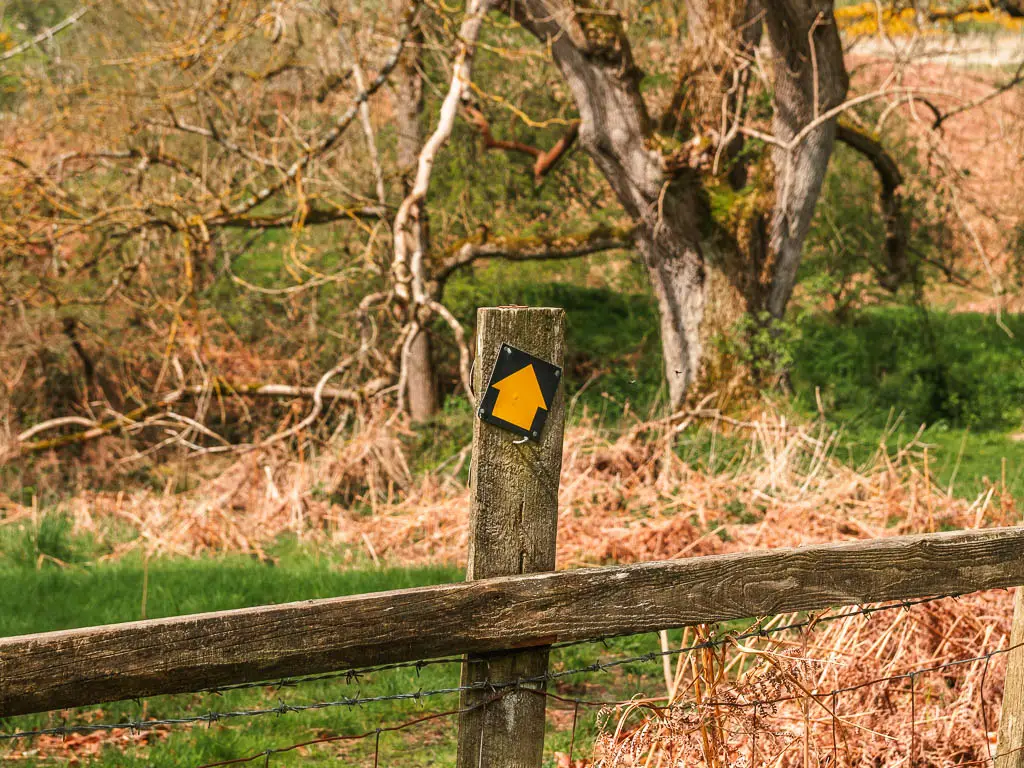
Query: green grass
{"x": 612, "y": 336}
{"x": 53, "y": 598}
{"x": 964, "y": 462}
{"x": 961, "y": 376}
{"x": 956, "y": 370}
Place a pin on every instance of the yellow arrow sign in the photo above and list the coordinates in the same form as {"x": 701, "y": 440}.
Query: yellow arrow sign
{"x": 519, "y": 397}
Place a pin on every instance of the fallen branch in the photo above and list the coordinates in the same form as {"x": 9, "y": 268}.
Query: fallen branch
{"x": 101, "y": 428}
{"x": 286, "y": 219}
{"x": 318, "y": 405}
{"x": 64, "y": 421}
{"x": 134, "y": 418}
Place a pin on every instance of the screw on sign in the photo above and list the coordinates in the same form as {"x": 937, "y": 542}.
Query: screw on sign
{"x": 519, "y": 392}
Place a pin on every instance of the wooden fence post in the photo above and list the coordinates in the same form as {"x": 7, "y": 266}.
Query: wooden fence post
{"x": 1010, "y": 747}
{"x": 513, "y": 522}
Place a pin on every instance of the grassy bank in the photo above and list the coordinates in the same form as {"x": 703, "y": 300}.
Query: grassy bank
{"x": 878, "y": 374}
{"x": 887, "y": 374}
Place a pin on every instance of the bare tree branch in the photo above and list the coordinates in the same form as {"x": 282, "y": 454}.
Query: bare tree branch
{"x": 408, "y": 267}
{"x": 890, "y": 198}
{"x": 1013, "y": 82}
{"x": 544, "y": 160}
{"x": 330, "y": 138}
{"x": 315, "y": 215}
{"x": 46, "y": 34}
{"x": 531, "y": 250}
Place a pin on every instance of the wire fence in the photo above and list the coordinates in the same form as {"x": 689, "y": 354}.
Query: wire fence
{"x": 747, "y": 696}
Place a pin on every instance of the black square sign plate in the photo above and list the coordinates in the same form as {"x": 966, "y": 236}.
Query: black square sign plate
{"x": 520, "y": 392}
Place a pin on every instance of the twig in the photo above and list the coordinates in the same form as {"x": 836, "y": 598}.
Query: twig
{"x": 46, "y": 33}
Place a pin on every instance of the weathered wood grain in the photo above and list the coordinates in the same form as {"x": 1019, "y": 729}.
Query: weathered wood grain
{"x": 90, "y": 666}
{"x": 513, "y": 523}
{"x": 1010, "y": 747}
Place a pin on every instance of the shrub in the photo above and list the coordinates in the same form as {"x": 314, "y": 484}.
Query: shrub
{"x": 961, "y": 369}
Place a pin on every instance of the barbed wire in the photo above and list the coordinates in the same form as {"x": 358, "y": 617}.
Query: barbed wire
{"x": 208, "y": 718}
{"x": 376, "y": 732}
{"x": 663, "y": 710}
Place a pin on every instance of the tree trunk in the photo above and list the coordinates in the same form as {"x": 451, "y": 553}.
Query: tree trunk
{"x": 591, "y": 50}
{"x": 422, "y": 387}
{"x": 675, "y": 267}
{"x": 421, "y": 390}
{"x": 809, "y": 78}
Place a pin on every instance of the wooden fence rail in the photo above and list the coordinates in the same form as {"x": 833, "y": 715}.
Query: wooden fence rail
{"x": 76, "y": 667}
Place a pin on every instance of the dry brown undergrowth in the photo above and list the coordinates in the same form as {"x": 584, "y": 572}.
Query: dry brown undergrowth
{"x": 630, "y": 498}
{"x": 623, "y": 498}
{"x": 954, "y": 711}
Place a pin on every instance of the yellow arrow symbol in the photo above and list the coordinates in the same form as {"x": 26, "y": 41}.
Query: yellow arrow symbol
{"x": 519, "y": 397}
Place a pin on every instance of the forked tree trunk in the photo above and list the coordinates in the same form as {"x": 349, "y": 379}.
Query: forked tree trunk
{"x": 590, "y": 48}
{"x": 421, "y": 389}
{"x": 593, "y": 54}
{"x": 808, "y": 78}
